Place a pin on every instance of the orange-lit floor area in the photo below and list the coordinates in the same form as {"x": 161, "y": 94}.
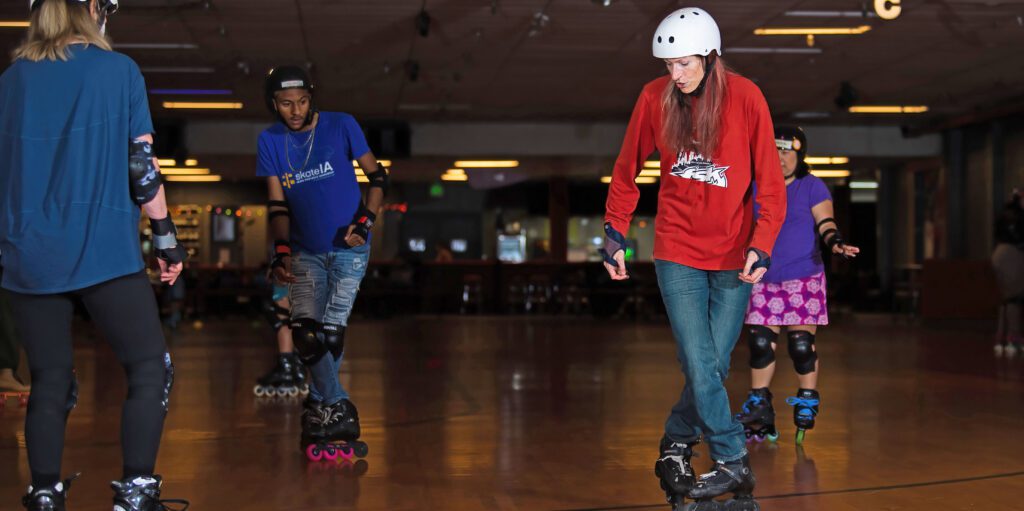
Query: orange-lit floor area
{"x": 553, "y": 414}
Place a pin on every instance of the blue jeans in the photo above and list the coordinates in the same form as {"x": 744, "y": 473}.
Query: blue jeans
{"x": 324, "y": 290}
{"x": 706, "y": 311}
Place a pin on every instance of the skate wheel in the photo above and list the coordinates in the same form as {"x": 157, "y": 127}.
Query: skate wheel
{"x": 314, "y": 453}
{"x": 293, "y": 392}
{"x": 330, "y": 453}
{"x": 346, "y": 453}
{"x": 259, "y": 391}
{"x": 773, "y": 437}
{"x": 800, "y": 437}
{"x": 361, "y": 449}
{"x": 23, "y": 401}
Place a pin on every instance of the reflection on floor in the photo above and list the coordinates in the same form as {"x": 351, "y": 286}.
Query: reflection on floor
{"x": 546, "y": 413}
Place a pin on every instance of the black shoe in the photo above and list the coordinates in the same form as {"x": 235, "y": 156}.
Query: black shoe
{"x": 674, "y": 468}
{"x": 52, "y": 498}
{"x": 729, "y": 477}
{"x": 142, "y": 494}
{"x": 340, "y": 421}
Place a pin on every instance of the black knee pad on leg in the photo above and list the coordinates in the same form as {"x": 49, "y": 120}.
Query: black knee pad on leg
{"x": 761, "y": 352}
{"x": 151, "y": 380}
{"x": 308, "y": 338}
{"x": 276, "y": 315}
{"x": 801, "y": 350}
{"x": 334, "y": 339}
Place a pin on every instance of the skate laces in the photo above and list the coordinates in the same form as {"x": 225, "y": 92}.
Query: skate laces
{"x": 752, "y": 400}
{"x": 802, "y": 402}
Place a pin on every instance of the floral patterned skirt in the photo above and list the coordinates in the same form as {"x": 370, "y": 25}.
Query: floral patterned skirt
{"x": 792, "y": 302}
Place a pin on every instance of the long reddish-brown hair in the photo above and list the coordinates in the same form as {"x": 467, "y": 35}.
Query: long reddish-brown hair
{"x": 693, "y": 123}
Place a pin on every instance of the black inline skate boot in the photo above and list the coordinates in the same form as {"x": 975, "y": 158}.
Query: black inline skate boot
{"x": 674, "y": 470}
{"x": 726, "y": 477}
{"x": 339, "y": 430}
{"x": 52, "y": 498}
{"x": 283, "y": 380}
{"x": 143, "y": 494}
{"x": 805, "y": 409}
{"x": 758, "y": 416}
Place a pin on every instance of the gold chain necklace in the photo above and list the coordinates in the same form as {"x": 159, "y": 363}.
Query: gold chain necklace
{"x": 309, "y": 152}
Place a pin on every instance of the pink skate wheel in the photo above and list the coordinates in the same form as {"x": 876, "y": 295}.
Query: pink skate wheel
{"x": 314, "y": 453}
{"x": 346, "y": 453}
{"x": 330, "y": 453}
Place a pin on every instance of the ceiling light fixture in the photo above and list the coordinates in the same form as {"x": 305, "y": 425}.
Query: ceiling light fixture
{"x": 178, "y": 171}
{"x": 813, "y": 31}
{"x": 831, "y": 173}
{"x": 14, "y": 24}
{"x": 888, "y": 109}
{"x": 193, "y": 105}
{"x": 831, "y": 14}
{"x": 863, "y": 185}
{"x": 827, "y": 160}
{"x": 194, "y": 179}
{"x": 487, "y": 164}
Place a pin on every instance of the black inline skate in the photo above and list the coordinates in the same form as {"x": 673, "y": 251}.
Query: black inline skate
{"x": 805, "y": 409}
{"x": 143, "y": 494}
{"x": 758, "y": 416}
{"x": 52, "y": 498}
{"x": 674, "y": 470}
{"x": 726, "y": 477}
{"x": 286, "y": 379}
{"x": 333, "y": 432}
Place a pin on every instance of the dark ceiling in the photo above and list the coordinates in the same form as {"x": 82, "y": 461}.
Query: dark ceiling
{"x": 564, "y": 59}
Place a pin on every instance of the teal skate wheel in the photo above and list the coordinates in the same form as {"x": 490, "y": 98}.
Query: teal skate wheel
{"x": 773, "y": 437}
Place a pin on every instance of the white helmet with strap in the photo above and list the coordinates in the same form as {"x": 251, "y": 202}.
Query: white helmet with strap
{"x": 687, "y": 31}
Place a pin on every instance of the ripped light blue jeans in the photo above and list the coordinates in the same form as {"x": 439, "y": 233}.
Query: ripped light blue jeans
{"x": 325, "y": 290}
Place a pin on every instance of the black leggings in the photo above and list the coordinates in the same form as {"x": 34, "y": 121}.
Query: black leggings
{"x": 125, "y": 311}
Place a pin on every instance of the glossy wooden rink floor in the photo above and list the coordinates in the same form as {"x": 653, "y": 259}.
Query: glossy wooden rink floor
{"x": 554, "y": 414}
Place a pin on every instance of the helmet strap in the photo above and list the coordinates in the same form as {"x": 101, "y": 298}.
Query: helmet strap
{"x": 709, "y": 60}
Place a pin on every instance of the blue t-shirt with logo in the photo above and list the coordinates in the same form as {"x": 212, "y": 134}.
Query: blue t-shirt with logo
{"x": 67, "y": 220}
{"x": 319, "y": 182}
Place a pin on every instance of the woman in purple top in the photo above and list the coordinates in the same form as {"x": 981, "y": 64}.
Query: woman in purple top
{"x": 792, "y": 294}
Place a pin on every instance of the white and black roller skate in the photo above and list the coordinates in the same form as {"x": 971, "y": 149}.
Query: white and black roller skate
{"x": 286, "y": 379}
{"x": 729, "y": 477}
{"x": 334, "y": 434}
{"x": 805, "y": 409}
{"x": 52, "y": 498}
{"x": 143, "y": 494}
{"x": 758, "y": 416}
{"x": 674, "y": 470}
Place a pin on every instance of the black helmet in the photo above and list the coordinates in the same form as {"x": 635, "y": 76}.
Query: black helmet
{"x": 289, "y": 77}
{"x": 792, "y": 138}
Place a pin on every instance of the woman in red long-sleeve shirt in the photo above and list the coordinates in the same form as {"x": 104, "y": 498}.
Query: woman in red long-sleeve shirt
{"x": 714, "y": 133}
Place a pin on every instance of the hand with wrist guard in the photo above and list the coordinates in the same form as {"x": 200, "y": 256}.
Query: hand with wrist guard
{"x": 834, "y": 239}
{"x": 358, "y": 231}
{"x": 281, "y": 264}
{"x": 170, "y": 255}
{"x": 758, "y": 262}
{"x": 614, "y": 253}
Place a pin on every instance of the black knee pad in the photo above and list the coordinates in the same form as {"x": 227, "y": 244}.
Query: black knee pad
{"x": 151, "y": 379}
{"x": 334, "y": 339}
{"x": 308, "y": 339}
{"x": 801, "y": 350}
{"x": 761, "y": 352}
{"x": 276, "y": 315}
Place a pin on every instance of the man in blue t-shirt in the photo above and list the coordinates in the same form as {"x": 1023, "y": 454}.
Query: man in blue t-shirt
{"x": 321, "y": 229}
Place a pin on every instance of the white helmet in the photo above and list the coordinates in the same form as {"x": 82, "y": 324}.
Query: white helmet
{"x": 688, "y": 31}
